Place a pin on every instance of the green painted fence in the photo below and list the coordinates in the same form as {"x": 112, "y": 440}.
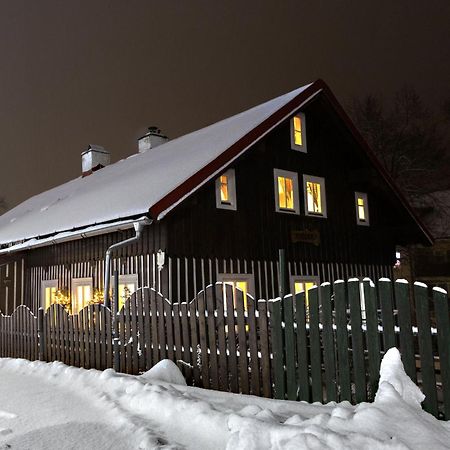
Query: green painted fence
{"x": 328, "y": 344}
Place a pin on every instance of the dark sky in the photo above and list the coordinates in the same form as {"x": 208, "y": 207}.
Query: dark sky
{"x": 80, "y": 72}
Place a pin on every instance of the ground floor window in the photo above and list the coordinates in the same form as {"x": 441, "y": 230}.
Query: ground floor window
{"x": 49, "y": 291}
{"x": 244, "y": 282}
{"x": 82, "y": 293}
{"x": 304, "y": 284}
{"x": 127, "y": 285}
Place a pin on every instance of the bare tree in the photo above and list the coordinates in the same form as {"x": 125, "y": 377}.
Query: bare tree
{"x": 407, "y": 139}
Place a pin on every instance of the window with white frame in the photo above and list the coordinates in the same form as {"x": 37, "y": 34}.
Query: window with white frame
{"x": 49, "y": 289}
{"x": 315, "y": 199}
{"x": 226, "y": 190}
{"x": 304, "y": 284}
{"x": 362, "y": 208}
{"x": 128, "y": 284}
{"x": 82, "y": 293}
{"x": 286, "y": 191}
{"x": 243, "y": 282}
{"x": 298, "y": 133}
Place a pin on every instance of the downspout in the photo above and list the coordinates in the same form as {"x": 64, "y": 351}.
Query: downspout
{"x": 138, "y": 226}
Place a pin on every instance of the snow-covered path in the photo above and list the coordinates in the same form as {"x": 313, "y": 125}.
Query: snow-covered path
{"x": 54, "y": 406}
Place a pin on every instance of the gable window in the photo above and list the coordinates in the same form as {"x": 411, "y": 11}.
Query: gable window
{"x": 49, "y": 289}
{"x": 82, "y": 293}
{"x": 298, "y": 136}
{"x": 226, "y": 190}
{"x": 362, "y": 208}
{"x": 315, "y": 200}
{"x": 128, "y": 284}
{"x": 286, "y": 191}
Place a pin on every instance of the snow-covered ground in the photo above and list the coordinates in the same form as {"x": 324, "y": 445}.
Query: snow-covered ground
{"x": 53, "y": 406}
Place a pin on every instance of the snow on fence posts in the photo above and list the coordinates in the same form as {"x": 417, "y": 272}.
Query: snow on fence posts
{"x": 330, "y": 347}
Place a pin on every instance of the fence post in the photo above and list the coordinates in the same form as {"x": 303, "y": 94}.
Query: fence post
{"x": 41, "y": 334}
{"x": 283, "y": 288}
{"x": 277, "y": 348}
{"x": 115, "y": 333}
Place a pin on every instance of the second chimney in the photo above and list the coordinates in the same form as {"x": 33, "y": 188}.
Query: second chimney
{"x": 94, "y": 158}
{"x": 152, "y": 139}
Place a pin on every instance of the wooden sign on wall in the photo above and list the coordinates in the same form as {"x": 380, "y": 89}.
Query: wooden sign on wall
{"x": 306, "y": 236}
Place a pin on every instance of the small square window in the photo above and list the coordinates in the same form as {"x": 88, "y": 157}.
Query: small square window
{"x": 244, "y": 282}
{"x": 298, "y": 135}
{"x": 286, "y": 191}
{"x": 226, "y": 190}
{"x": 362, "y": 208}
{"x": 315, "y": 199}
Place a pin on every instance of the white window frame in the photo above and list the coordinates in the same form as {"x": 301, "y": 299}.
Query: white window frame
{"x": 125, "y": 279}
{"x": 232, "y": 204}
{"x": 321, "y": 181}
{"x": 47, "y": 284}
{"x": 303, "y": 279}
{"x": 294, "y": 146}
{"x": 80, "y": 282}
{"x": 366, "y": 209}
{"x": 294, "y": 176}
{"x": 249, "y": 278}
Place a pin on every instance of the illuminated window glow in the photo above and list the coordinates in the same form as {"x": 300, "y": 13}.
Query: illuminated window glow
{"x": 224, "y": 195}
{"x": 240, "y": 284}
{"x": 315, "y": 202}
{"x": 298, "y": 131}
{"x": 298, "y": 137}
{"x": 286, "y": 193}
{"x": 50, "y": 296}
{"x": 362, "y": 208}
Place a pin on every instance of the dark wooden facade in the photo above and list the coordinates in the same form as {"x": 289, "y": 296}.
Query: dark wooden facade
{"x": 201, "y": 241}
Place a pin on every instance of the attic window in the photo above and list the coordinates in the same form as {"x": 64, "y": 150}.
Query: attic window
{"x": 362, "y": 208}
{"x": 315, "y": 201}
{"x": 226, "y": 190}
{"x": 298, "y": 135}
{"x": 286, "y": 191}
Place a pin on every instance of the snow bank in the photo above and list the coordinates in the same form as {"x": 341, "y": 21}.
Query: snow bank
{"x": 166, "y": 371}
{"x": 170, "y": 415}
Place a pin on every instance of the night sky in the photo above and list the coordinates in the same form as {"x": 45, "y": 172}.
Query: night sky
{"x": 100, "y": 72}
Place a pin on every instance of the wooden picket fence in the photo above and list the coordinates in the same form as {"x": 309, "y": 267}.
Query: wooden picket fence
{"x": 328, "y": 350}
{"x": 332, "y": 352}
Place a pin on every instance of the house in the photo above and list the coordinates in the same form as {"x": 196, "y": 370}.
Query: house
{"x": 292, "y": 173}
{"x": 429, "y": 264}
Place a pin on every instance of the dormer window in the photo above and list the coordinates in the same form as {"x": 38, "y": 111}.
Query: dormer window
{"x": 315, "y": 200}
{"x": 226, "y": 190}
{"x": 298, "y": 135}
{"x": 362, "y": 208}
{"x": 286, "y": 191}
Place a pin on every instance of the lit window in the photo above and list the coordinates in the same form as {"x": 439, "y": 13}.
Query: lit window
{"x": 244, "y": 282}
{"x": 128, "y": 284}
{"x": 226, "y": 190}
{"x": 315, "y": 201}
{"x": 286, "y": 191}
{"x": 82, "y": 293}
{"x": 298, "y": 137}
{"x": 304, "y": 284}
{"x": 362, "y": 208}
{"x": 49, "y": 290}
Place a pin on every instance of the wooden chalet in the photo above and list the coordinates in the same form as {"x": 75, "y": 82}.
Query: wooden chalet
{"x": 219, "y": 203}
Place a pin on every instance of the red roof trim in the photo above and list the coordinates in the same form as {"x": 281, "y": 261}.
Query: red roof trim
{"x": 223, "y": 159}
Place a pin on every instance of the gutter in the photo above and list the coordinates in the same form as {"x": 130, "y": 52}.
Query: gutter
{"x": 138, "y": 226}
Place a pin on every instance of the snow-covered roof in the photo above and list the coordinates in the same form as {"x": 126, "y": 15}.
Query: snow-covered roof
{"x": 139, "y": 183}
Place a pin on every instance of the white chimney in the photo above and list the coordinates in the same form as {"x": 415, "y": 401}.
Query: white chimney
{"x": 152, "y": 139}
{"x": 94, "y": 158}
